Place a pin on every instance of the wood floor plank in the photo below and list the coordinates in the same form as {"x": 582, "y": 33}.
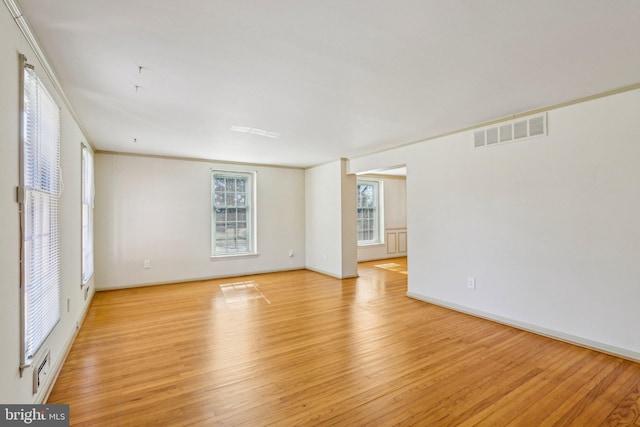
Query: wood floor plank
{"x": 301, "y": 348}
{"x": 627, "y": 412}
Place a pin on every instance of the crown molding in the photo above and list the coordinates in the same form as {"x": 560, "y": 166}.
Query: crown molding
{"x": 194, "y": 159}
{"x": 28, "y": 34}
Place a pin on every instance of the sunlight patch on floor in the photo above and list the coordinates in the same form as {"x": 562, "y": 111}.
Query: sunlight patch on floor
{"x": 392, "y": 266}
{"x": 238, "y": 292}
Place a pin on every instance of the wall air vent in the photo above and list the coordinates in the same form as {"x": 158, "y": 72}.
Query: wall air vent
{"x": 478, "y": 138}
{"x": 506, "y": 133}
{"x": 41, "y": 371}
{"x": 516, "y": 130}
{"x": 492, "y": 136}
{"x": 520, "y": 129}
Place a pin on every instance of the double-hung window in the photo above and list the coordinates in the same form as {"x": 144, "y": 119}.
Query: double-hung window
{"x": 233, "y": 212}
{"x": 40, "y": 190}
{"x": 87, "y": 213}
{"x": 369, "y": 212}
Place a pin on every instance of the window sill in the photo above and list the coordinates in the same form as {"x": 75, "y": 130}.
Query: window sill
{"x": 84, "y": 282}
{"x": 232, "y": 256}
{"x": 368, "y": 245}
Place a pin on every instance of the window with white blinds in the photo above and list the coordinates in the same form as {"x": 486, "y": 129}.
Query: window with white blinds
{"x": 41, "y": 187}
{"x": 88, "y": 191}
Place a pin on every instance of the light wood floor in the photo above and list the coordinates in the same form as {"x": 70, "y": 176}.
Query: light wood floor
{"x": 307, "y": 349}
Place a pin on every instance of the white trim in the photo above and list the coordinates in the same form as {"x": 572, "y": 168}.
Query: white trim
{"x": 326, "y": 273}
{"x": 368, "y": 245}
{"x": 87, "y": 179}
{"x": 539, "y": 330}
{"x": 226, "y": 257}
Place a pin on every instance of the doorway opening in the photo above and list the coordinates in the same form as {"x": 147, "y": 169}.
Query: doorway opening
{"x": 382, "y": 220}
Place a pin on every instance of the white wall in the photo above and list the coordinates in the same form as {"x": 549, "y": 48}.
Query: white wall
{"x": 160, "y": 209}
{"x": 349, "y": 234}
{"x": 548, "y": 227}
{"x": 13, "y": 388}
{"x": 330, "y": 220}
{"x": 395, "y": 219}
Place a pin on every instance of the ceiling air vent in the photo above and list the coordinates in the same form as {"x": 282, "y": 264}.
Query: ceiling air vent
{"x": 516, "y": 130}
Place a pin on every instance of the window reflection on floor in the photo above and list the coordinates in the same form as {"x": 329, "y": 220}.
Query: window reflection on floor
{"x": 392, "y": 266}
{"x": 239, "y": 292}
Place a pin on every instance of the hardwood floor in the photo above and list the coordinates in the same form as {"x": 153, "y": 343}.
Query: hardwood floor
{"x": 300, "y": 348}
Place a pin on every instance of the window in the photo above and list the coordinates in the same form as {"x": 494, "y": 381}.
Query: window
{"x": 88, "y": 191}
{"x": 40, "y": 189}
{"x": 233, "y": 213}
{"x": 369, "y": 212}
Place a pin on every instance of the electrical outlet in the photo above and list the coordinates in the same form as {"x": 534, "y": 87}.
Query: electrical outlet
{"x": 471, "y": 282}
{"x": 147, "y": 263}
{"x": 290, "y": 253}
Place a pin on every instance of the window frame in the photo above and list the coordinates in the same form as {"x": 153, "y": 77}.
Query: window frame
{"x": 249, "y": 233}
{"x": 39, "y": 195}
{"x": 87, "y": 202}
{"x": 377, "y": 217}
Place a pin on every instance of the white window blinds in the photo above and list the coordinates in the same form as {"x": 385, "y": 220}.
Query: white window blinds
{"x": 88, "y": 191}
{"x": 41, "y": 186}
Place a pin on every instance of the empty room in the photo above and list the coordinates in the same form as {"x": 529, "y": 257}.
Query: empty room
{"x": 319, "y": 213}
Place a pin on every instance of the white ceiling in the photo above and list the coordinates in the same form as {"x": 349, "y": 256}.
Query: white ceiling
{"x": 335, "y": 78}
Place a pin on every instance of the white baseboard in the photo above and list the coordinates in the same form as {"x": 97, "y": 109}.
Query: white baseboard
{"x": 65, "y": 352}
{"x": 327, "y": 273}
{"x": 381, "y": 258}
{"x": 550, "y": 333}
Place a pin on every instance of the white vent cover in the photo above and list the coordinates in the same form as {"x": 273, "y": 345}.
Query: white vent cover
{"x": 516, "y": 130}
{"x": 478, "y": 138}
{"x": 41, "y": 371}
{"x": 492, "y": 136}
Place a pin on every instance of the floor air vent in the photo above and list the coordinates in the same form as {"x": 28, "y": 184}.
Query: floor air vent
{"x": 516, "y": 130}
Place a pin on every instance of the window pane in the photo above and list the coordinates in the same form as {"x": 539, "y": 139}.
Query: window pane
{"x": 219, "y": 184}
{"x": 218, "y": 198}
